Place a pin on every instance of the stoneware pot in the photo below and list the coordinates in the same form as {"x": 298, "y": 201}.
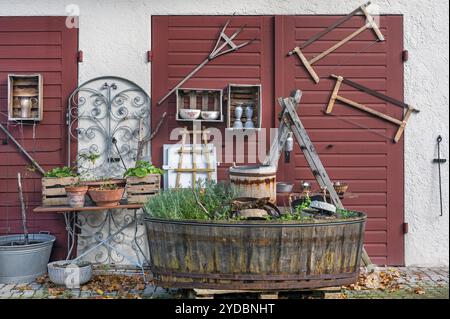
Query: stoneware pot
{"x": 189, "y": 114}
{"x": 249, "y": 116}
{"x": 65, "y": 272}
{"x": 106, "y": 197}
{"x": 238, "y": 112}
{"x": 210, "y": 115}
{"x": 75, "y": 195}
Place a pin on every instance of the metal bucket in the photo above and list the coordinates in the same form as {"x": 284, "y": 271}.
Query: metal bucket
{"x": 256, "y": 181}
{"x": 24, "y": 263}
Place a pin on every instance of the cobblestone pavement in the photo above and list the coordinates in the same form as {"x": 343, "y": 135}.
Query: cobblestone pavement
{"x": 384, "y": 283}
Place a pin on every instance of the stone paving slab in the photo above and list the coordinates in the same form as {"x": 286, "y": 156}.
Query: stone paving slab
{"x": 413, "y": 283}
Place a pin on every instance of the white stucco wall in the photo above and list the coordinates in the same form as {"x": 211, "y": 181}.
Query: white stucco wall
{"x": 115, "y": 35}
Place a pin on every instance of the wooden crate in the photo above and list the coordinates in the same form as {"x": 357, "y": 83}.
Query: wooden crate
{"x": 140, "y": 189}
{"x": 25, "y": 86}
{"x": 244, "y": 93}
{"x": 54, "y": 190}
{"x": 199, "y": 99}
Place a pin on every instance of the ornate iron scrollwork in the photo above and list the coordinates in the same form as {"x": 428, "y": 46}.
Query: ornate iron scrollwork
{"x": 106, "y": 117}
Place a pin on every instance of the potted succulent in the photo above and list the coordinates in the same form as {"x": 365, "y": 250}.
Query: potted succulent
{"x": 108, "y": 194}
{"x": 76, "y": 194}
{"x": 142, "y": 182}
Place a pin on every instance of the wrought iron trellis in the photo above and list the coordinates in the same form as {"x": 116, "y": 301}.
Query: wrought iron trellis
{"x": 107, "y": 116}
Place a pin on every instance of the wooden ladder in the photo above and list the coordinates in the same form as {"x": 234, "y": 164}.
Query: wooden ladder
{"x": 184, "y": 150}
{"x": 290, "y": 122}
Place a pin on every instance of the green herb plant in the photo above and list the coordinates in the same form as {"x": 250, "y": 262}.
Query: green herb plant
{"x": 108, "y": 186}
{"x": 65, "y": 171}
{"x": 344, "y": 213}
{"x": 142, "y": 169}
{"x": 297, "y": 214}
{"x": 181, "y": 203}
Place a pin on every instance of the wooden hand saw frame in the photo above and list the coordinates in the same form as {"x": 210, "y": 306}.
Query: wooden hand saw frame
{"x": 370, "y": 24}
{"x": 401, "y": 123}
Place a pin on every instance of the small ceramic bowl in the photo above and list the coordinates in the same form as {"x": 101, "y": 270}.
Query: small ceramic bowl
{"x": 189, "y": 114}
{"x": 210, "y": 115}
{"x": 284, "y": 187}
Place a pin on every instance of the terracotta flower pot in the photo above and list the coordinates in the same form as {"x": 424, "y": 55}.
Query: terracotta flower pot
{"x": 96, "y": 184}
{"x": 107, "y": 197}
{"x": 75, "y": 195}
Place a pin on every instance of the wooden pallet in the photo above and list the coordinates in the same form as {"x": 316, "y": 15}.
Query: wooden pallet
{"x": 140, "y": 189}
{"x": 54, "y": 190}
{"x": 321, "y": 293}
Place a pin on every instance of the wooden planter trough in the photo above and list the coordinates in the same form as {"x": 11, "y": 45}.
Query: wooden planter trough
{"x": 54, "y": 190}
{"x": 140, "y": 189}
{"x": 255, "y": 255}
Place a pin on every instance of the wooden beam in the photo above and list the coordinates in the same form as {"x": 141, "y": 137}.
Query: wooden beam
{"x": 334, "y": 94}
{"x": 403, "y": 125}
{"x": 369, "y": 110}
{"x": 372, "y": 24}
{"x": 307, "y": 64}
{"x": 339, "y": 44}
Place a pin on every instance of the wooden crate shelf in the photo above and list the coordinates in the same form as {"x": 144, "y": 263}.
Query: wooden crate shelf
{"x": 54, "y": 190}
{"x": 140, "y": 189}
{"x": 23, "y": 89}
{"x": 199, "y": 99}
{"x": 244, "y": 94}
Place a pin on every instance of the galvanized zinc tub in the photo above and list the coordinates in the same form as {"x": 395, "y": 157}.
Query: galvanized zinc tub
{"x": 255, "y": 255}
{"x": 257, "y": 181}
{"x": 23, "y": 263}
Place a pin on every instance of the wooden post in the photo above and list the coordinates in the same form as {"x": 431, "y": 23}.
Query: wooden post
{"x": 334, "y": 94}
{"x": 22, "y": 209}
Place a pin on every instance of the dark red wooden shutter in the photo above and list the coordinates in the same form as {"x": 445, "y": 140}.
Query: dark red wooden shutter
{"x": 36, "y": 45}
{"x": 371, "y": 164}
{"x": 180, "y": 43}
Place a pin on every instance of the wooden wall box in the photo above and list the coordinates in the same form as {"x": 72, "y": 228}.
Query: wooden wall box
{"x": 25, "y": 97}
{"x": 205, "y": 102}
{"x": 140, "y": 189}
{"x": 245, "y": 94}
{"x": 54, "y": 190}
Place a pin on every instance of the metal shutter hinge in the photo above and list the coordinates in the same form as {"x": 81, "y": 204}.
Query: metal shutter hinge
{"x": 405, "y": 55}
{"x": 405, "y": 227}
{"x": 80, "y": 56}
{"x": 149, "y": 56}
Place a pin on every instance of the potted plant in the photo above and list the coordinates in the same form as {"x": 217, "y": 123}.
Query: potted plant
{"x": 142, "y": 182}
{"x": 86, "y": 171}
{"x": 108, "y": 194}
{"x": 76, "y": 194}
{"x": 54, "y": 185}
{"x": 197, "y": 237}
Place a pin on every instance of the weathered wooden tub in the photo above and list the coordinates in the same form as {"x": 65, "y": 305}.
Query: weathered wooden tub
{"x": 252, "y": 255}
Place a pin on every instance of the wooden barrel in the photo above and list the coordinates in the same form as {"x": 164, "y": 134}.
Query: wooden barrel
{"x": 255, "y": 255}
{"x": 257, "y": 181}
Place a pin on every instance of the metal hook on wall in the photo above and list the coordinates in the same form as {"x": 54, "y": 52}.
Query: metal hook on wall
{"x": 440, "y": 161}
